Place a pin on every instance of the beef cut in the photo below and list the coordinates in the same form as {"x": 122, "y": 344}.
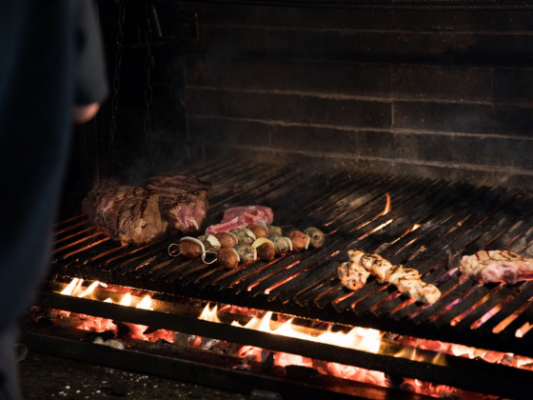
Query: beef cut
{"x": 141, "y": 214}
{"x": 497, "y": 266}
{"x": 240, "y": 217}
{"x": 183, "y": 200}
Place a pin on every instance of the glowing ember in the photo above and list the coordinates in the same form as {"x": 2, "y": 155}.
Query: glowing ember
{"x": 507, "y": 321}
{"x": 520, "y": 332}
{"x": 358, "y": 338}
{"x": 486, "y": 317}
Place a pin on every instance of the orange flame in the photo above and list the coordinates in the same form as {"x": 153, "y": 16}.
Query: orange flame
{"x": 358, "y": 338}
{"x": 89, "y": 290}
{"x": 74, "y": 288}
{"x": 145, "y": 303}
{"x": 126, "y": 300}
{"x": 70, "y": 287}
{"x": 388, "y": 207}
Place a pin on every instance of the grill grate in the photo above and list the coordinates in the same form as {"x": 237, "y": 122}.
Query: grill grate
{"x": 453, "y": 219}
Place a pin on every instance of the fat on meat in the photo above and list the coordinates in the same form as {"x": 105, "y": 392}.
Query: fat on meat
{"x": 257, "y": 212}
{"x": 240, "y": 217}
{"x": 497, "y": 266}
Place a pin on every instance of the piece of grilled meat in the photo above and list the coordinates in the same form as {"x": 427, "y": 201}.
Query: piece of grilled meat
{"x": 407, "y": 280}
{"x": 497, "y": 266}
{"x": 127, "y": 213}
{"x": 182, "y": 199}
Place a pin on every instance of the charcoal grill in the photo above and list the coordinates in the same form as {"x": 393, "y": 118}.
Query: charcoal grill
{"x": 452, "y": 218}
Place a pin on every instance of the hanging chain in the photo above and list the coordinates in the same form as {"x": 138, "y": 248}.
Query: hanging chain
{"x": 116, "y": 79}
{"x": 149, "y": 68}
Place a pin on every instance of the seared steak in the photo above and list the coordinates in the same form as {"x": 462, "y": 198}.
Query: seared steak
{"x": 183, "y": 200}
{"x": 138, "y": 215}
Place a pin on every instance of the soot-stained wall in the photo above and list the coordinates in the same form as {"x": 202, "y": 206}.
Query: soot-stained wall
{"x": 429, "y": 93}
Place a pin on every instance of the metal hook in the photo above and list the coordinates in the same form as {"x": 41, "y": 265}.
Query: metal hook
{"x": 170, "y": 247}
{"x": 209, "y": 262}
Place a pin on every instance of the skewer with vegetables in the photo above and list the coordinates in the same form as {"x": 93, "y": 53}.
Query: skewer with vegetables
{"x": 194, "y": 248}
{"x": 260, "y": 240}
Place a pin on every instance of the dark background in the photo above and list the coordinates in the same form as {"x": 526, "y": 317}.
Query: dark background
{"x": 433, "y": 93}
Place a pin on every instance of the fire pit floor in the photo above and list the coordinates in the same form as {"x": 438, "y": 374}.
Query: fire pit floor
{"x": 44, "y": 377}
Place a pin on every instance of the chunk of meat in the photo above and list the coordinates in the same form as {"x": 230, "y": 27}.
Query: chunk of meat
{"x": 140, "y": 221}
{"x": 138, "y": 215}
{"x": 352, "y": 275}
{"x": 497, "y": 266}
{"x": 257, "y": 212}
{"x": 407, "y": 280}
{"x": 240, "y": 217}
{"x": 126, "y": 213}
{"x": 183, "y": 200}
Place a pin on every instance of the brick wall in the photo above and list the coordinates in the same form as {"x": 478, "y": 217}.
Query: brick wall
{"x": 429, "y": 93}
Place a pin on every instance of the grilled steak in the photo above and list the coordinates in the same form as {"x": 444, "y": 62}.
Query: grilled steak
{"x": 240, "y": 217}
{"x": 139, "y": 215}
{"x": 183, "y": 200}
{"x": 497, "y": 266}
{"x": 127, "y": 213}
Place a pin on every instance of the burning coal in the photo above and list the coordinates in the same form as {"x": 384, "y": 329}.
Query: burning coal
{"x": 358, "y": 338}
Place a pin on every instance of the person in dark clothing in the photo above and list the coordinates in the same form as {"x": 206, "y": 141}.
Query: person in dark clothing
{"x": 51, "y": 75}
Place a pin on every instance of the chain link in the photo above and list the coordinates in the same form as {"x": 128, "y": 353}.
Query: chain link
{"x": 116, "y": 79}
{"x": 149, "y": 66}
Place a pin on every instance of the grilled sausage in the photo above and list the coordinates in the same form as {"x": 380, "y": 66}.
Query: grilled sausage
{"x": 190, "y": 249}
{"x": 228, "y": 258}
{"x": 227, "y": 240}
{"x": 266, "y": 251}
{"x": 299, "y": 240}
{"x": 258, "y": 231}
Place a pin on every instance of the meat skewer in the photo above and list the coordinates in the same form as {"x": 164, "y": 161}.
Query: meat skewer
{"x": 407, "y": 280}
{"x": 352, "y": 275}
{"x": 497, "y": 266}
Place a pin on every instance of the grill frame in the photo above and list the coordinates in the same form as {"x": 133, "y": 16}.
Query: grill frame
{"x": 342, "y": 201}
